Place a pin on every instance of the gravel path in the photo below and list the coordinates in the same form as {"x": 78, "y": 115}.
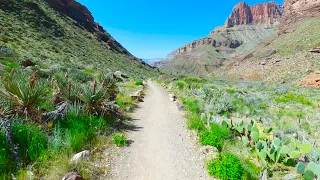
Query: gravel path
{"x": 161, "y": 146}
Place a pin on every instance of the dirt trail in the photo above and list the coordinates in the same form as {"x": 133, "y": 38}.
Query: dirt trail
{"x": 162, "y": 148}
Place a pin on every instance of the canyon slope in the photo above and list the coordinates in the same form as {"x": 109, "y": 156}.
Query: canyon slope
{"x": 57, "y": 34}
{"x": 243, "y": 30}
{"x": 262, "y": 42}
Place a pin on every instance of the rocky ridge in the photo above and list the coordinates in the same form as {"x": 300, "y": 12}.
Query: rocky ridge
{"x": 266, "y": 14}
{"x": 83, "y": 18}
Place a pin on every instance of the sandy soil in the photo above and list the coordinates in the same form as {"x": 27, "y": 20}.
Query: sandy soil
{"x": 161, "y": 147}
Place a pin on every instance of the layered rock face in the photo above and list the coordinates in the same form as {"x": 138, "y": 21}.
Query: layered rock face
{"x": 230, "y": 43}
{"x": 266, "y": 13}
{"x": 295, "y": 10}
{"x": 83, "y": 18}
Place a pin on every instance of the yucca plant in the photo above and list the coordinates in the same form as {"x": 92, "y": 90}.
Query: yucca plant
{"x": 93, "y": 97}
{"x": 65, "y": 89}
{"x": 24, "y": 92}
{"x": 110, "y": 85}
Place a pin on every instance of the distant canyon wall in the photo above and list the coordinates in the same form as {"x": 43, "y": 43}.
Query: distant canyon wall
{"x": 242, "y": 14}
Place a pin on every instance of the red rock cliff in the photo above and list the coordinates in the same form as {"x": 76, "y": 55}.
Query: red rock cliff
{"x": 266, "y": 13}
{"x": 295, "y": 10}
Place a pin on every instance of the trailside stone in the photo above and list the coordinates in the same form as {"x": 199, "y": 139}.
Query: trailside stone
{"x": 72, "y": 176}
{"x": 81, "y": 155}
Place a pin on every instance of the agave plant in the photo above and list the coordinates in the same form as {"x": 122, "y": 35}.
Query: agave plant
{"x": 24, "y": 92}
{"x": 110, "y": 85}
{"x": 93, "y": 97}
{"x": 65, "y": 89}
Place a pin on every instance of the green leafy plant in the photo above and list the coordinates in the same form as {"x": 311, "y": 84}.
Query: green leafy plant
{"x": 227, "y": 167}
{"x": 119, "y": 139}
{"x": 215, "y": 136}
{"x": 195, "y": 123}
{"x": 138, "y": 83}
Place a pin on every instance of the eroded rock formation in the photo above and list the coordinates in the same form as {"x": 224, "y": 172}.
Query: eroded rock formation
{"x": 266, "y": 13}
{"x": 295, "y": 10}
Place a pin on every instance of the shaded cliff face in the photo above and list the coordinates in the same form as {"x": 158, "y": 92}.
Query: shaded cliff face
{"x": 84, "y": 18}
{"x": 266, "y": 13}
{"x": 296, "y": 10}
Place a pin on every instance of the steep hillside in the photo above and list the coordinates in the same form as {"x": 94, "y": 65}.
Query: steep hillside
{"x": 59, "y": 34}
{"x": 244, "y": 29}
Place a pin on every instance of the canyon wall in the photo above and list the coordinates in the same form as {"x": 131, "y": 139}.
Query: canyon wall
{"x": 267, "y": 14}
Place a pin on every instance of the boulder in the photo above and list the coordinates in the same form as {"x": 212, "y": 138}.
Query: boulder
{"x": 269, "y": 53}
{"x": 119, "y": 74}
{"x": 80, "y": 156}
{"x": 57, "y": 114}
{"x": 315, "y": 50}
{"x": 72, "y": 176}
{"x": 27, "y": 63}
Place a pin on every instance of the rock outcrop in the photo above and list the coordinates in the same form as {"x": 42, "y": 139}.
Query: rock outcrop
{"x": 84, "y": 19}
{"x": 266, "y": 13}
{"x": 210, "y": 41}
{"x": 296, "y": 10}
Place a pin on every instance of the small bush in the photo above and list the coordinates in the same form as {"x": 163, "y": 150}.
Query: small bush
{"x": 289, "y": 97}
{"x": 195, "y": 123}
{"x": 192, "y": 105}
{"x": 180, "y": 84}
{"x": 138, "y": 83}
{"x": 252, "y": 171}
{"x": 214, "y": 136}
{"x": 119, "y": 139}
{"x": 227, "y": 167}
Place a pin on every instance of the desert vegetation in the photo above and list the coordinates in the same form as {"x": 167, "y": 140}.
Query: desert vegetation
{"x": 258, "y": 129}
{"x": 45, "y": 119}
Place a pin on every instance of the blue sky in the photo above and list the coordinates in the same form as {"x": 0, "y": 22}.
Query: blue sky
{"x": 153, "y": 29}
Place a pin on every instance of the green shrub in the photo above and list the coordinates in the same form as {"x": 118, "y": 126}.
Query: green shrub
{"x": 252, "y": 171}
{"x": 214, "y": 136}
{"x": 180, "y": 84}
{"x": 289, "y": 97}
{"x": 227, "y": 167}
{"x": 195, "y": 123}
{"x": 6, "y": 161}
{"x": 80, "y": 130}
{"x": 119, "y": 139}
{"x": 124, "y": 101}
{"x": 192, "y": 105}
{"x": 32, "y": 141}
{"x": 138, "y": 83}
